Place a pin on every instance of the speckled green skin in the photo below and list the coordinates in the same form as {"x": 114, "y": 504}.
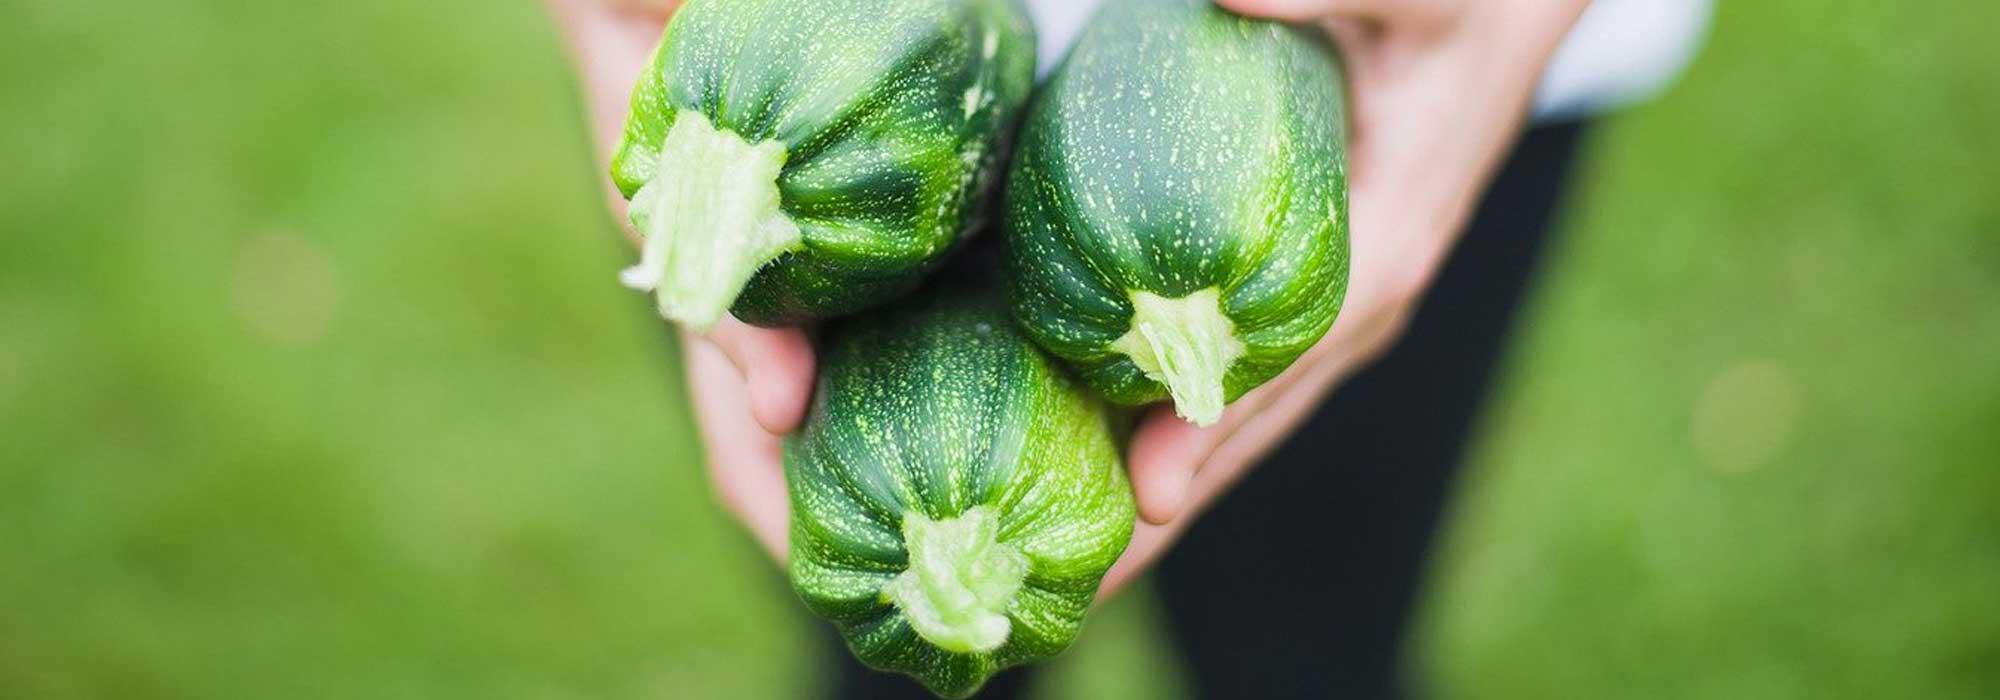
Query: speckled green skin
{"x": 885, "y": 162}
{"x": 1180, "y": 148}
{"x": 937, "y": 405}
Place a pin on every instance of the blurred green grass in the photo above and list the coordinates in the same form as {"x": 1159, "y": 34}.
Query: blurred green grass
{"x": 1748, "y": 447}
{"x": 316, "y": 381}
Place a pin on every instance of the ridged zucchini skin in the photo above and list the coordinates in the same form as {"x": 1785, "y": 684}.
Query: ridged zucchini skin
{"x": 892, "y": 115}
{"x": 938, "y": 407}
{"x": 1181, "y": 149}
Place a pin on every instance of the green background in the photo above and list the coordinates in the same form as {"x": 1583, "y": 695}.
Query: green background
{"x": 316, "y": 381}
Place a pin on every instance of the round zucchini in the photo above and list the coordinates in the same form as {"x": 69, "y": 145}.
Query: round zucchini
{"x": 955, "y": 499}
{"x": 790, "y": 161}
{"x": 1177, "y": 211}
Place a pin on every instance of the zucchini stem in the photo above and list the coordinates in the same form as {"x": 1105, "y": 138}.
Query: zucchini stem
{"x": 711, "y": 218}
{"x": 1188, "y": 344}
{"x": 960, "y": 580}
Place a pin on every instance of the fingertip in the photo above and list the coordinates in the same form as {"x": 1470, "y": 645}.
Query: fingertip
{"x": 781, "y": 381}
{"x": 777, "y": 367}
{"x": 1164, "y": 454}
{"x": 1162, "y": 500}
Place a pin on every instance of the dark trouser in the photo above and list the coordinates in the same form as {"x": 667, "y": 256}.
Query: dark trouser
{"x": 1300, "y": 583}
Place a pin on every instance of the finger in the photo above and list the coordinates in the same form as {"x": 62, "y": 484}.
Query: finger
{"x": 1162, "y": 460}
{"x": 1303, "y": 10}
{"x": 1148, "y": 542}
{"x": 745, "y": 463}
{"x": 1277, "y": 419}
{"x": 1391, "y": 12}
{"x": 777, "y": 368}
{"x": 656, "y": 10}
{"x": 1167, "y": 453}
{"x": 1278, "y": 412}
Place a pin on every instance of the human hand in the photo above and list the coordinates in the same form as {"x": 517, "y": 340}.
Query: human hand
{"x": 1439, "y": 90}
{"x": 1417, "y": 164}
{"x": 749, "y": 385}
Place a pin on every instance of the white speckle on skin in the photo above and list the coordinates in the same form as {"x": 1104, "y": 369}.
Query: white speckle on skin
{"x": 974, "y": 97}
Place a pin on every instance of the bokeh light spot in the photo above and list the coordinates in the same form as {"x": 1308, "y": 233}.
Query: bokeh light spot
{"x": 1746, "y": 416}
{"x": 285, "y": 288}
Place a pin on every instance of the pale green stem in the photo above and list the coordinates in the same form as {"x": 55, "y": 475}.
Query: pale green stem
{"x": 1186, "y": 344}
{"x": 711, "y": 218}
{"x": 960, "y": 581}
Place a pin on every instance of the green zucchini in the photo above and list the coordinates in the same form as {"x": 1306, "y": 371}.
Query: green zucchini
{"x": 790, "y": 161}
{"x": 955, "y": 498}
{"x": 1177, "y": 210}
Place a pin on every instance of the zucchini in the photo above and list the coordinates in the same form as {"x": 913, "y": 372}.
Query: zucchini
{"x": 1177, "y": 210}
{"x": 790, "y": 161}
{"x": 955, "y": 498}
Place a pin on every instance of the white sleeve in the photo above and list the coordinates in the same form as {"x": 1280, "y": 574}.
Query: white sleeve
{"x": 1057, "y": 22}
{"x": 1621, "y": 51}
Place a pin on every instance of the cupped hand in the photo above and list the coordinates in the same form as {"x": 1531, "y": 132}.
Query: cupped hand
{"x": 1439, "y": 90}
{"x": 749, "y": 385}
